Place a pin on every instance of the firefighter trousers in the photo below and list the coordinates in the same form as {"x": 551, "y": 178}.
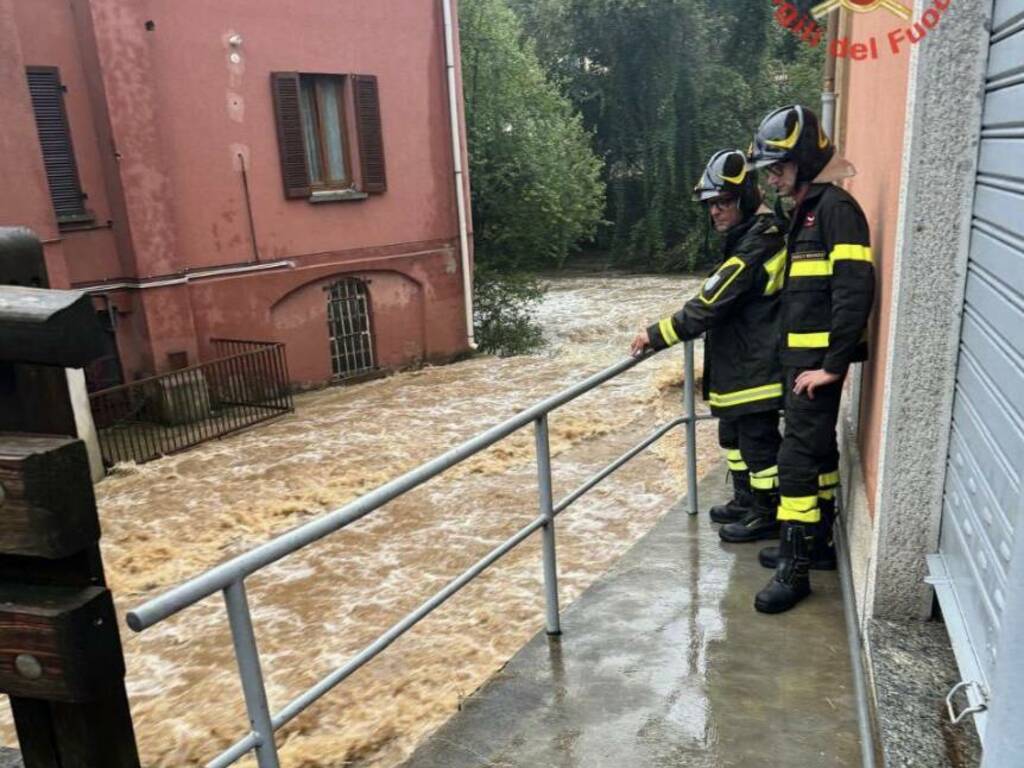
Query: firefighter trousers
{"x": 751, "y": 444}
{"x": 809, "y": 456}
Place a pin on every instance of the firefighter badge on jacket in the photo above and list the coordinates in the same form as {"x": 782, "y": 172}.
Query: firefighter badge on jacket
{"x": 711, "y": 283}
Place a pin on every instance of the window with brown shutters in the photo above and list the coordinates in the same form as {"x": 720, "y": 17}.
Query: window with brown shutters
{"x": 317, "y": 117}
{"x": 55, "y": 140}
{"x": 371, "y": 141}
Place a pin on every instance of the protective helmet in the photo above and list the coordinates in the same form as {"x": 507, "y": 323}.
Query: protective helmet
{"x": 727, "y": 173}
{"x": 792, "y": 134}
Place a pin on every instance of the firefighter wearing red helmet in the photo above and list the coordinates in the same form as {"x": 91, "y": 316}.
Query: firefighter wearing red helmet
{"x": 737, "y": 307}
{"x": 825, "y": 302}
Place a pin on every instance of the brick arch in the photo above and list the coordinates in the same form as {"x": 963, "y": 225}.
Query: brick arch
{"x": 299, "y": 319}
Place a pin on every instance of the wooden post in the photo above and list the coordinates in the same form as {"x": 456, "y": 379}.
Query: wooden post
{"x": 60, "y": 651}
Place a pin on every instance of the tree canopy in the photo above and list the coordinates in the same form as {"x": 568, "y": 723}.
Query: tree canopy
{"x": 536, "y": 182}
{"x": 661, "y": 84}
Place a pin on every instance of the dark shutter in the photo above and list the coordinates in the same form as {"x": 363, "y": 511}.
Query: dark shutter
{"x": 55, "y": 139}
{"x": 290, "y": 139}
{"x": 371, "y": 140}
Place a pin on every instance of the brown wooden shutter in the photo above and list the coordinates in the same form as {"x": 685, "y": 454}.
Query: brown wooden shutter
{"x": 55, "y": 139}
{"x": 290, "y": 138}
{"x": 371, "y": 140}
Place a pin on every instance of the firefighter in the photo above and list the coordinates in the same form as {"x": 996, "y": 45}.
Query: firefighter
{"x": 825, "y": 302}
{"x": 737, "y": 306}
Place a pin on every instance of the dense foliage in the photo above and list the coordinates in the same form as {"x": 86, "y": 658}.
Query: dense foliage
{"x": 536, "y": 182}
{"x": 595, "y": 117}
{"x": 662, "y": 84}
{"x": 503, "y": 311}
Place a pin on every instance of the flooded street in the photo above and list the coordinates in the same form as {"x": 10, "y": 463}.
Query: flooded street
{"x": 168, "y": 520}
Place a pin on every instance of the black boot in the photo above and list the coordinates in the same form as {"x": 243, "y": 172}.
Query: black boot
{"x": 759, "y": 523}
{"x": 791, "y": 581}
{"x": 739, "y": 505}
{"x": 823, "y": 551}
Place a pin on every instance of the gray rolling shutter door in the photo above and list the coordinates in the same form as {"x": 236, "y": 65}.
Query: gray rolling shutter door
{"x": 985, "y": 470}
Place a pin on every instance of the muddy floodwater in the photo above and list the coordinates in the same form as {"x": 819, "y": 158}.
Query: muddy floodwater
{"x": 169, "y": 519}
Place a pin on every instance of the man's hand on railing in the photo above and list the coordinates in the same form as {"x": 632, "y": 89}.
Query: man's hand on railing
{"x": 641, "y": 342}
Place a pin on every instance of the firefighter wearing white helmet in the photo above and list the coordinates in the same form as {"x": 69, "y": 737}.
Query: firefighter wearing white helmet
{"x": 737, "y": 307}
{"x": 825, "y": 303}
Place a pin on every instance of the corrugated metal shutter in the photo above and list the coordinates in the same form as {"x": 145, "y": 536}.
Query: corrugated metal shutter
{"x": 55, "y": 139}
{"x": 981, "y": 508}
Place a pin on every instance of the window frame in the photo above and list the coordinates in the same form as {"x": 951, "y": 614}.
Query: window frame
{"x": 343, "y": 91}
{"x": 361, "y": 124}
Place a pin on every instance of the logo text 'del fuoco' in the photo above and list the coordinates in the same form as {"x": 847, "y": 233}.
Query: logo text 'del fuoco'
{"x": 907, "y": 32}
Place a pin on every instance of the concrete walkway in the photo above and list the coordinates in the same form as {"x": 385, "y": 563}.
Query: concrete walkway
{"x": 664, "y": 662}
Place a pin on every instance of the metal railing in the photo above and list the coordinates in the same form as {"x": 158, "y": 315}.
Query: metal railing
{"x": 247, "y": 383}
{"x": 229, "y": 577}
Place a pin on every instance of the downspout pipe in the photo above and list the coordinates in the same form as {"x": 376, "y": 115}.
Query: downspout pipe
{"x": 828, "y": 89}
{"x": 865, "y": 721}
{"x": 460, "y": 187}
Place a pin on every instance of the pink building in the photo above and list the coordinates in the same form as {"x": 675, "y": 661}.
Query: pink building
{"x": 246, "y": 168}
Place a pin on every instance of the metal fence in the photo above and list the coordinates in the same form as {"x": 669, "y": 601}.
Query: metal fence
{"x": 247, "y": 383}
{"x": 229, "y": 578}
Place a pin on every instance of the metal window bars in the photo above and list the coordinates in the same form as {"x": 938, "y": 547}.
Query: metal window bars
{"x": 247, "y": 383}
{"x": 229, "y": 577}
{"x": 348, "y": 322}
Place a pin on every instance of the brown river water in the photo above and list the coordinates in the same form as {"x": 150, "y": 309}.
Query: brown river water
{"x": 170, "y": 519}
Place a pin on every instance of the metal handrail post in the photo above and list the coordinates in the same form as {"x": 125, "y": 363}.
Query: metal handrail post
{"x": 691, "y": 430}
{"x": 547, "y": 511}
{"x": 248, "y": 657}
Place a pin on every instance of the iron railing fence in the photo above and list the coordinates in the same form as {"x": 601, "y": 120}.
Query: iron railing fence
{"x": 229, "y": 577}
{"x": 247, "y": 383}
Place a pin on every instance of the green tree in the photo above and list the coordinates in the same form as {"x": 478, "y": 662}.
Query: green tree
{"x": 662, "y": 84}
{"x": 537, "y": 190}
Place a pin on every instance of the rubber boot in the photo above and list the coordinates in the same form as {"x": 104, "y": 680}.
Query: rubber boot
{"x": 791, "y": 581}
{"x": 823, "y": 551}
{"x": 739, "y": 505}
{"x": 759, "y": 523}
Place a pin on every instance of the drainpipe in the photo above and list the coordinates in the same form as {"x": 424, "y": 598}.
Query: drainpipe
{"x": 828, "y": 89}
{"x": 865, "y": 721}
{"x": 460, "y": 191}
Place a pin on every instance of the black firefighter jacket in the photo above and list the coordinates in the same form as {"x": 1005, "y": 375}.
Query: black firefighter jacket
{"x": 738, "y": 308}
{"x": 830, "y": 282}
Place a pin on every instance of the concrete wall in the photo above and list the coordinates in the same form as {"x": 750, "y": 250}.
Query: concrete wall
{"x": 908, "y": 391}
{"x": 163, "y": 121}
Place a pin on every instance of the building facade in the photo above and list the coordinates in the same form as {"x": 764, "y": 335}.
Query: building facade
{"x": 241, "y": 169}
{"x": 933, "y": 427}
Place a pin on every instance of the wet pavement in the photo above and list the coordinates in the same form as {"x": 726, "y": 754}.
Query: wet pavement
{"x": 664, "y": 662}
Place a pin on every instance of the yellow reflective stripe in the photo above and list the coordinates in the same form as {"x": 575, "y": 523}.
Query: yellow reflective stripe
{"x": 817, "y": 340}
{"x": 668, "y": 332}
{"x": 801, "y": 509}
{"x": 776, "y": 269}
{"x": 735, "y": 460}
{"x": 742, "y": 396}
{"x": 790, "y": 141}
{"x": 739, "y": 268}
{"x": 765, "y": 480}
{"x": 811, "y": 268}
{"x": 828, "y": 479}
{"x": 827, "y": 495}
{"x": 850, "y": 252}
{"x": 738, "y": 178}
